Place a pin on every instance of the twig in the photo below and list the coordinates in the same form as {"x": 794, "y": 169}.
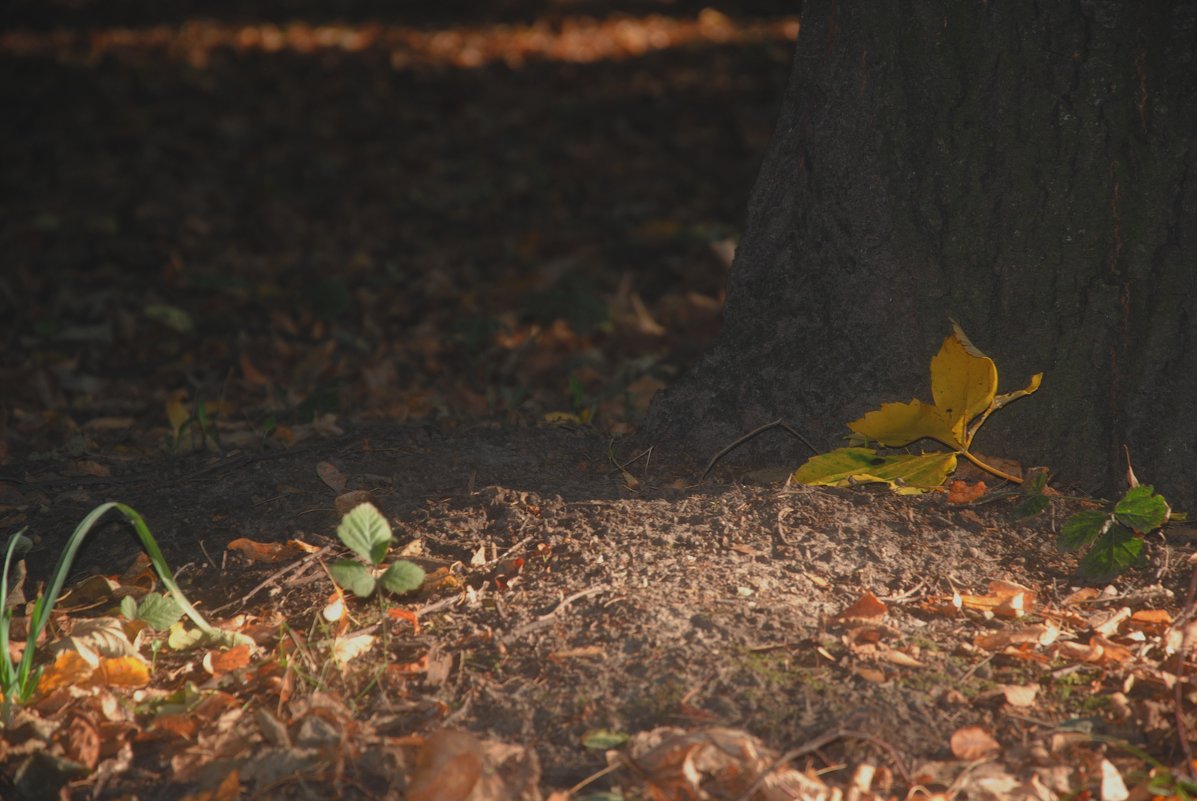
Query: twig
{"x": 778, "y": 423}
{"x": 819, "y": 742}
{"x": 274, "y": 578}
{"x": 1178, "y": 687}
{"x": 547, "y": 618}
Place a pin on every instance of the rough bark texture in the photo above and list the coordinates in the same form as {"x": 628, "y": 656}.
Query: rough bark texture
{"x": 1024, "y": 168}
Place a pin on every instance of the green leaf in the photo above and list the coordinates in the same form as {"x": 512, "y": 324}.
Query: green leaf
{"x": 845, "y": 465}
{"x": 1031, "y": 505}
{"x": 403, "y": 577}
{"x": 604, "y": 739}
{"x": 129, "y": 607}
{"x": 1141, "y": 509}
{"x": 352, "y": 576}
{"x": 366, "y": 532}
{"x": 159, "y": 611}
{"x": 1083, "y": 528}
{"x": 1115, "y": 552}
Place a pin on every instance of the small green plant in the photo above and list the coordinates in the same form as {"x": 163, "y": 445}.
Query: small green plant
{"x": 156, "y": 610}
{"x": 1114, "y": 536}
{"x": 18, "y": 681}
{"x": 368, "y": 534}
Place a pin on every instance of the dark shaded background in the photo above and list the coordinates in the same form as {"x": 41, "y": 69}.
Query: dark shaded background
{"x": 221, "y": 221}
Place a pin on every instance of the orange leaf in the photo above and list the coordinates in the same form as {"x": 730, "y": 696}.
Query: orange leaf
{"x": 268, "y": 552}
{"x": 395, "y": 613}
{"x": 121, "y": 671}
{"x": 218, "y": 662}
{"x": 963, "y": 492}
{"x": 867, "y": 606}
{"x": 69, "y": 668}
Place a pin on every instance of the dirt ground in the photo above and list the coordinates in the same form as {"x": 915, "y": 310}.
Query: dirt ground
{"x": 581, "y": 604}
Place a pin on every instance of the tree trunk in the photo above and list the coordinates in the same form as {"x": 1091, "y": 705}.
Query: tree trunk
{"x": 1027, "y": 169}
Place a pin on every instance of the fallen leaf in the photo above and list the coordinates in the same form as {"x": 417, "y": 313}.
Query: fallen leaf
{"x": 346, "y": 502}
{"x": 1020, "y": 695}
{"x": 347, "y": 648}
{"x": 217, "y": 663}
{"x": 397, "y": 613}
{"x": 267, "y": 552}
{"x": 866, "y": 607}
{"x": 1113, "y": 788}
{"x": 972, "y": 743}
{"x": 331, "y": 475}
{"x": 229, "y": 789}
{"x": 963, "y": 492}
{"x": 447, "y": 768}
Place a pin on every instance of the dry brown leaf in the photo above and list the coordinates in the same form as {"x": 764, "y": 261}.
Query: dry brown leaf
{"x": 1039, "y": 634}
{"x": 81, "y": 740}
{"x": 332, "y": 476}
{"x": 346, "y": 502}
{"x": 1081, "y": 596}
{"x": 1020, "y": 695}
{"x": 229, "y": 789}
{"x": 866, "y": 607}
{"x": 872, "y": 675}
{"x": 217, "y": 663}
{"x": 448, "y": 767}
{"x": 972, "y": 742}
{"x": 1107, "y": 623}
{"x": 900, "y": 658}
{"x": 1153, "y": 620}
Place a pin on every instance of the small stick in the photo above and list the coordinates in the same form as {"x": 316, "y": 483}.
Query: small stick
{"x": 547, "y": 618}
{"x": 778, "y": 423}
{"x": 274, "y": 578}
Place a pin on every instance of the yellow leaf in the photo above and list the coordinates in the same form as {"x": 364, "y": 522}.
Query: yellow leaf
{"x": 178, "y": 411}
{"x": 840, "y": 467}
{"x": 963, "y": 382}
{"x": 1002, "y": 400}
{"x": 898, "y": 424}
{"x": 121, "y": 671}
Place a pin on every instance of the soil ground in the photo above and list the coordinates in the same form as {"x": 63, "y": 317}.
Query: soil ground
{"x": 239, "y": 249}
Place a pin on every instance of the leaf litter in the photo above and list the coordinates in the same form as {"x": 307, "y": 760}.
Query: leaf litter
{"x": 731, "y": 640}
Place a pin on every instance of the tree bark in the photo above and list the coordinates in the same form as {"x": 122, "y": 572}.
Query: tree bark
{"x": 1027, "y": 169}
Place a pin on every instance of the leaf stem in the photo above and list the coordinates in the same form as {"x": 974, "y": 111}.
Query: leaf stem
{"x": 989, "y": 468}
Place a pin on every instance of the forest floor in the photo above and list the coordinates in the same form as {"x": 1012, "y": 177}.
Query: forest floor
{"x": 256, "y": 258}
